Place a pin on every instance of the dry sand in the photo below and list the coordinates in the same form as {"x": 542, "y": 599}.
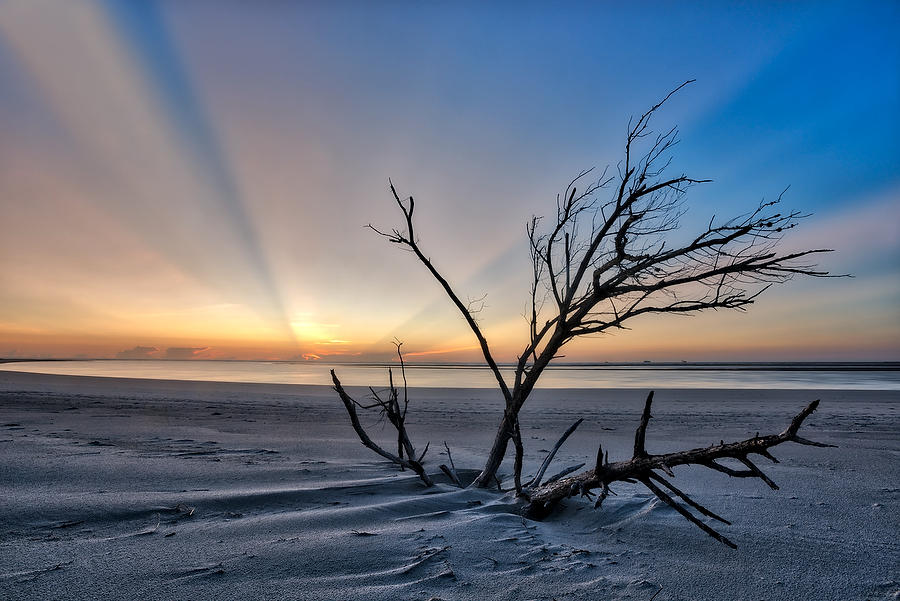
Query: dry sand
{"x": 140, "y": 489}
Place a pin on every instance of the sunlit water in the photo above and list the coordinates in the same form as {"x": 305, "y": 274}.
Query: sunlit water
{"x": 841, "y": 376}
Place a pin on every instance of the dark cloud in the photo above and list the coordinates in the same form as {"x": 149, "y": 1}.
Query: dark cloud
{"x": 138, "y": 352}
{"x": 184, "y": 352}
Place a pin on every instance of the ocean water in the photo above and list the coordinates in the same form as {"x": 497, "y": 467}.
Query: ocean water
{"x": 821, "y": 376}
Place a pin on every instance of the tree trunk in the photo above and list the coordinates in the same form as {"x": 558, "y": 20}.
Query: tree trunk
{"x": 488, "y": 475}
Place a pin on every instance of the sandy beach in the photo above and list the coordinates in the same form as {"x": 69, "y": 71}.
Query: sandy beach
{"x": 141, "y": 489}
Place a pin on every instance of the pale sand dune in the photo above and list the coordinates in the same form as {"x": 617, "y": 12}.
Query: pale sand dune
{"x": 137, "y": 489}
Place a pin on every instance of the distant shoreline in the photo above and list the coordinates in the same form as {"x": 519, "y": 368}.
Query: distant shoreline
{"x": 17, "y": 360}
{"x": 630, "y": 365}
{"x": 836, "y": 376}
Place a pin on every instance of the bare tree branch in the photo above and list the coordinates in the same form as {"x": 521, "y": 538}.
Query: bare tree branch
{"x": 606, "y": 262}
{"x": 641, "y": 468}
{"x": 408, "y": 462}
{"x": 559, "y": 443}
{"x": 609, "y": 256}
{"x": 451, "y": 470}
{"x": 408, "y": 239}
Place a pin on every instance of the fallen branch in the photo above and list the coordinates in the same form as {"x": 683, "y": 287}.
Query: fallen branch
{"x": 641, "y": 466}
{"x": 540, "y": 474}
{"x": 408, "y": 462}
{"x": 564, "y": 472}
{"x": 451, "y": 471}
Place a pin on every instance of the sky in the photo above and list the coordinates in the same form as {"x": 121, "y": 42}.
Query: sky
{"x": 190, "y": 179}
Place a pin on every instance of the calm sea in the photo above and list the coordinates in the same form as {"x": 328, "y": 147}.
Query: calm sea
{"x": 844, "y": 376}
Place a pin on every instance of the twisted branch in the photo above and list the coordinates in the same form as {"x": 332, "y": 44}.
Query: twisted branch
{"x": 404, "y": 462}
{"x": 641, "y": 468}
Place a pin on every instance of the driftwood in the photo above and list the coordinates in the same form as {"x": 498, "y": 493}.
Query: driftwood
{"x": 540, "y": 473}
{"x": 541, "y": 499}
{"x": 641, "y": 466}
{"x": 397, "y": 417}
{"x": 451, "y": 470}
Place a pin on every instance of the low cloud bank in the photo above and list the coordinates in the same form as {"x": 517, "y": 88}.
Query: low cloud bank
{"x": 138, "y": 352}
{"x": 184, "y": 352}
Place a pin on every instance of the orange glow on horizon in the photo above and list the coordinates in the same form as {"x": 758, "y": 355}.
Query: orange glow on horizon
{"x": 447, "y": 351}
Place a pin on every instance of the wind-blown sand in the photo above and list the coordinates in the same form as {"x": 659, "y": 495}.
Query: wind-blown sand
{"x": 140, "y": 489}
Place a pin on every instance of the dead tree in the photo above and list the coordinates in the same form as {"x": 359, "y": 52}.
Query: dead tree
{"x": 606, "y": 260}
{"x": 641, "y": 466}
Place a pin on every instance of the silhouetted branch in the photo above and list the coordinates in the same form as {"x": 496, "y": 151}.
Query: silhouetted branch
{"x": 640, "y": 434}
{"x": 535, "y": 482}
{"x": 564, "y": 472}
{"x": 615, "y": 262}
{"x": 408, "y": 239}
{"x": 451, "y": 471}
{"x": 409, "y": 462}
{"x": 641, "y": 468}
{"x": 607, "y": 257}
{"x": 517, "y": 462}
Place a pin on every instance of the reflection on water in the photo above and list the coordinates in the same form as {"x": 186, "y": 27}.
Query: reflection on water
{"x": 843, "y": 376}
